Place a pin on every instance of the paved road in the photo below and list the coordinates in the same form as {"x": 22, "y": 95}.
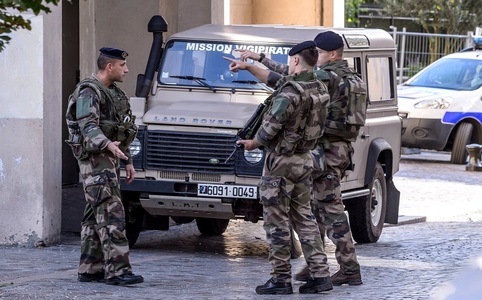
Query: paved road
{"x": 409, "y": 262}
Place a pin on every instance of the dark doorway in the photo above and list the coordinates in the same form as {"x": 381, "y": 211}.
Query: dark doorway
{"x": 72, "y": 197}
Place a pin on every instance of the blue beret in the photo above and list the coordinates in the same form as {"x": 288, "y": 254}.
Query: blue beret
{"x": 329, "y": 41}
{"x": 300, "y": 47}
{"x": 114, "y": 53}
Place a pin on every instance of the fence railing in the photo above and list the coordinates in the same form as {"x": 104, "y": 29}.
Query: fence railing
{"x": 417, "y": 50}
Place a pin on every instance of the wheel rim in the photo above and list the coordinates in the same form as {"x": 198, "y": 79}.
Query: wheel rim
{"x": 376, "y": 202}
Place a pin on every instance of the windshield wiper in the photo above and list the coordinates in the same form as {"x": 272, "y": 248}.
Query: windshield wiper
{"x": 198, "y": 80}
{"x": 246, "y": 81}
{"x": 265, "y": 87}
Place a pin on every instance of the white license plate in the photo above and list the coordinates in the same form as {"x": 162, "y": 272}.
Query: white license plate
{"x": 228, "y": 191}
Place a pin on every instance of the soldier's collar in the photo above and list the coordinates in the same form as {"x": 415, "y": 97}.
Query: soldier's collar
{"x": 303, "y": 76}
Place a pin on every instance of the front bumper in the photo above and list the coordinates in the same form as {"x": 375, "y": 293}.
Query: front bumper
{"x": 174, "y": 198}
{"x": 425, "y": 133}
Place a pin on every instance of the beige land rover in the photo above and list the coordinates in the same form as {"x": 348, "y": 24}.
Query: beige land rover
{"x": 189, "y": 108}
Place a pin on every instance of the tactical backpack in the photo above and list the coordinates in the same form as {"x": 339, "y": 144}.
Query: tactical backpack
{"x": 76, "y": 140}
{"x": 312, "y": 126}
{"x": 347, "y": 113}
{"x": 316, "y": 108}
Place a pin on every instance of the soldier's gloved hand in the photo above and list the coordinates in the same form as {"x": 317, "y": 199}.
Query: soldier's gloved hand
{"x": 114, "y": 148}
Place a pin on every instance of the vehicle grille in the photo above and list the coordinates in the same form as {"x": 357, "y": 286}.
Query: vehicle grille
{"x": 189, "y": 152}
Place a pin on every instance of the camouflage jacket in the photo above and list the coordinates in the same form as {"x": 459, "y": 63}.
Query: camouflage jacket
{"x": 331, "y": 80}
{"x": 295, "y": 121}
{"x": 98, "y": 115}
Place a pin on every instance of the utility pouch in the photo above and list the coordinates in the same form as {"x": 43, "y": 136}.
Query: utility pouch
{"x": 125, "y": 133}
{"x": 78, "y": 150}
{"x": 271, "y": 190}
{"x": 108, "y": 127}
{"x": 287, "y": 143}
{"x": 97, "y": 189}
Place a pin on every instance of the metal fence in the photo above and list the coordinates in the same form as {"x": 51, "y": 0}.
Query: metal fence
{"x": 417, "y": 50}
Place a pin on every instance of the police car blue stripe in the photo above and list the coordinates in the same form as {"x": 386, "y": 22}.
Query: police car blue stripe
{"x": 453, "y": 117}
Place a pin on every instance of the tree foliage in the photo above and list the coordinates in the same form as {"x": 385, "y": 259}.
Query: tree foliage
{"x": 351, "y": 12}
{"x": 11, "y": 18}
{"x": 438, "y": 16}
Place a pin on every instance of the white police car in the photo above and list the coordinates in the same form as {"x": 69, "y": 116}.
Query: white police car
{"x": 441, "y": 106}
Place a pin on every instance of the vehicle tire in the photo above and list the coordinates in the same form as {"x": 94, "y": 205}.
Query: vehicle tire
{"x": 134, "y": 216}
{"x": 211, "y": 227}
{"x": 463, "y": 137}
{"x": 367, "y": 214}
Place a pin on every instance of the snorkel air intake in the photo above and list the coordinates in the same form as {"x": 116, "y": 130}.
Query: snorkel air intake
{"x": 157, "y": 25}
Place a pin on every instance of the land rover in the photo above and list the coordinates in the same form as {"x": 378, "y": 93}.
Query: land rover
{"x": 189, "y": 116}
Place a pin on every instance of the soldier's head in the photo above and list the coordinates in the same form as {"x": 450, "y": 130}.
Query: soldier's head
{"x": 330, "y": 47}
{"x": 112, "y": 64}
{"x": 303, "y": 57}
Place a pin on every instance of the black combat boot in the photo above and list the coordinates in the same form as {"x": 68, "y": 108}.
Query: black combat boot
{"x": 316, "y": 285}
{"x": 274, "y": 286}
{"x": 86, "y": 277}
{"x": 125, "y": 279}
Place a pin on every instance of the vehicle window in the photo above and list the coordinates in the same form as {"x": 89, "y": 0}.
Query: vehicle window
{"x": 355, "y": 64}
{"x": 196, "y": 64}
{"x": 450, "y": 73}
{"x": 379, "y": 79}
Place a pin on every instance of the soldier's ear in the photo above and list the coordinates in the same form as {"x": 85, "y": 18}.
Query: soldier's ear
{"x": 297, "y": 60}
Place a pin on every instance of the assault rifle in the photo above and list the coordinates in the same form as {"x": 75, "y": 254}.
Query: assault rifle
{"x": 251, "y": 127}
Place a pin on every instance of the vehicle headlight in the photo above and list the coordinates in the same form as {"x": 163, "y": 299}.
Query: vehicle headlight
{"x": 253, "y": 156}
{"x": 135, "y": 147}
{"x": 441, "y": 103}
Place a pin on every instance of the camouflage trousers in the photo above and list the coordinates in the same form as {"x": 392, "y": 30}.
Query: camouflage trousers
{"x": 104, "y": 246}
{"x": 327, "y": 203}
{"x": 285, "y": 190}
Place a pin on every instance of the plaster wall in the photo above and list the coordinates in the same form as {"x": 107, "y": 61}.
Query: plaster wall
{"x": 123, "y": 24}
{"x": 329, "y": 13}
{"x": 287, "y": 12}
{"x": 30, "y": 128}
{"x": 119, "y": 24}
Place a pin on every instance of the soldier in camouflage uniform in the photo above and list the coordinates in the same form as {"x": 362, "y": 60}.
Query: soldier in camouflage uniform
{"x": 290, "y": 129}
{"x": 332, "y": 157}
{"x": 101, "y": 127}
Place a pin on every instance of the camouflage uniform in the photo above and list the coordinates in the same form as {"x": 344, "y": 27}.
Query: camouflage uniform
{"x": 104, "y": 246}
{"x": 286, "y": 183}
{"x": 327, "y": 201}
{"x": 338, "y": 152}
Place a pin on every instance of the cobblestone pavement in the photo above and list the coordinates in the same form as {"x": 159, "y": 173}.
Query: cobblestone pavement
{"x": 411, "y": 261}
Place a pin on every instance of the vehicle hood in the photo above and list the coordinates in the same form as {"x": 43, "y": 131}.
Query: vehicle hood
{"x": 201, "y": 113}
{"x": 461, "y": 101}
{"x": 417, "y": 93}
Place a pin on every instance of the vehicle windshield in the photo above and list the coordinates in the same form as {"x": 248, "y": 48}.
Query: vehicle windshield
{"x": 190, "y": 63}
{"x": 450, "y": 73}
